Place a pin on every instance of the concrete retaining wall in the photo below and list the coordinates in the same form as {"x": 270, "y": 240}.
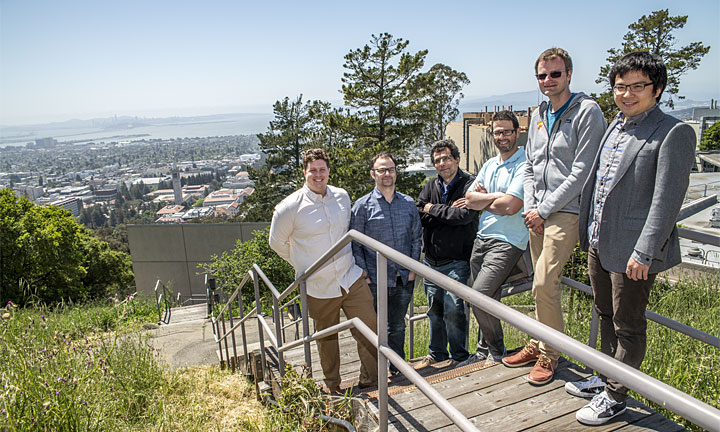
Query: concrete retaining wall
{"x": 172, "y": 253}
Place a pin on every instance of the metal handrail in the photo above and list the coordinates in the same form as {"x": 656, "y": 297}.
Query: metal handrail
{"x": 674, "y": 400}
{"x": 163, "y": 296}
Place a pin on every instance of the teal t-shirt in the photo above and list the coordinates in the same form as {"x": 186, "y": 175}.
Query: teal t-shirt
{"x": 552, "y": 116}
{"x": 506, "y": 177}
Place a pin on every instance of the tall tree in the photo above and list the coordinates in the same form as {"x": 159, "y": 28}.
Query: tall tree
{"x": 654, "y": 33}
{"x": 382, "y": 87}
{"x": 287, "y": 136}
{"x": 381, "y": 84}
{"x": 441, "y": 92}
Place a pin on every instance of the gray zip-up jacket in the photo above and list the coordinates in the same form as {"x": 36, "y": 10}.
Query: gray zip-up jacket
{"x": 557, "y": 166}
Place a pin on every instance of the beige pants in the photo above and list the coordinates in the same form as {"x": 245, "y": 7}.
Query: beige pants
{"x": 550, "y": 251}
{"x": 357, "y": 302}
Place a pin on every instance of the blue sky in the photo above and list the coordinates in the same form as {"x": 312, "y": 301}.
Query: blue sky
{"x": 80, "y": 59}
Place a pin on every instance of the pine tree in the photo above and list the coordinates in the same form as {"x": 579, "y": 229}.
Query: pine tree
{"x": 654, "y": 33}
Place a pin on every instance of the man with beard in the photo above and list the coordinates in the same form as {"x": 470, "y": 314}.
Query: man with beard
{"x": 391, "y": 218}
{"x": 502, "y": 236}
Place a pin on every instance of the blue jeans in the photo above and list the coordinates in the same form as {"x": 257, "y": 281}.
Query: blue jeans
{"x": 446, "y": 312}
{"x": 399, "y": 298}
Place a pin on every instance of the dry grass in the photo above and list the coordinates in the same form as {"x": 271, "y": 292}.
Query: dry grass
{"x": 205, "y": 398}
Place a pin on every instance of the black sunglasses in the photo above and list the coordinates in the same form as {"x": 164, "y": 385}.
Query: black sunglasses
{"x": 553, "y": 74}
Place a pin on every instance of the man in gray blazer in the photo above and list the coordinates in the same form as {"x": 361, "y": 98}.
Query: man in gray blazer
{"x": 627, "y": 215}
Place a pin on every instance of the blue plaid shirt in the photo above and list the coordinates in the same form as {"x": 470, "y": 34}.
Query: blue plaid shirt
{"x": 396, "y": 224}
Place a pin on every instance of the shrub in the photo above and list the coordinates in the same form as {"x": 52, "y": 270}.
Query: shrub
{"x": 232, "y": 266}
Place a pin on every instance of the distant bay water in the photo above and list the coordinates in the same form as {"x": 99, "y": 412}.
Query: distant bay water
{"x": 134, "y": 129}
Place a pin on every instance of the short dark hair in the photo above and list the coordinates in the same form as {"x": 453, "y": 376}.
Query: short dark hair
{"x": 449, "y": 144}
{"x": 642, "y": 61}
{"x": 507, "y": 115}
{"x": 382, "y": 155}
{"x": 312, "y": 155}
{"x": 551, "y": 53}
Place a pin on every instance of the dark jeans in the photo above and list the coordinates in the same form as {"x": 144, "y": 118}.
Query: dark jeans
{"x": 399, "y": 298}
{"x": 620, "y": 302}
{"x": 490, "y": 264}
{"x": 446, "y": 312}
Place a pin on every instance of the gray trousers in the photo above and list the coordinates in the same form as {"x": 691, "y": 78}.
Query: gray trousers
{"x": 491, "y": 262}
{"x": 620, "y": 302}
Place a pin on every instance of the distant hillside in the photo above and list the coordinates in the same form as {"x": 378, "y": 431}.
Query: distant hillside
{"x": 523, "y": 100}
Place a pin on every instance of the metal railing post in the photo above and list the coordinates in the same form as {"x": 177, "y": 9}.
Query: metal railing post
{"x": 260, "y": 316}
{"x": 232, "y": 333}
{"x": 242, "y": 327}
{"x": 411, "y": 326}
{"x": 278, "y": 334}
{"x": 305, "y": 324}
{"x": 382, "y": 327}
{"x": 210, "y": 293}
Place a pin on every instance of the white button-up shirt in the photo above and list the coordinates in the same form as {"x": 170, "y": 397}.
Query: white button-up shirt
{"x": 304, "y": 226}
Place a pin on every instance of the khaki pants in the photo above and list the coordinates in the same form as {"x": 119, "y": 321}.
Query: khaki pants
{"x": 550, "y": 251}
{"x": 357, "y": 302}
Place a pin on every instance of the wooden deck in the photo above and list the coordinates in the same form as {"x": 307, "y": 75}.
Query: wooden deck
{"x": 493, "y": 398}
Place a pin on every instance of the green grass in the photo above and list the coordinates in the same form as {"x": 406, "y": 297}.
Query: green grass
{"x": 678, "y": 360}
{"x": 62, "y": 369}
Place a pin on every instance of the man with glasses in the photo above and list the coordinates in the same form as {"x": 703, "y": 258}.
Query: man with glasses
{"x": 391, "y": 218}
{"x": 502, "y": 236}
{"x": 449, "y": 227}
{"x": 563, "y": 139}
{"x": 628, "y": 211}
{"x": 304, "y": 225}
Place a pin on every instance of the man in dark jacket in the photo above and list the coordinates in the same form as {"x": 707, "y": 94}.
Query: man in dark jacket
{"x": 449, "y": 229}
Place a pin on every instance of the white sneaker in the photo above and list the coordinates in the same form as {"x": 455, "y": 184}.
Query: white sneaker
{"x": 601, "y": 409}
{"x": 586, "y": 389}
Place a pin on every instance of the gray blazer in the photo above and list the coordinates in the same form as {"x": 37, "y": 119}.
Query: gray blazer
{"x": 642, "y": 207}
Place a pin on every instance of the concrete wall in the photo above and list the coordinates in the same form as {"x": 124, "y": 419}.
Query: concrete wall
{"x": 172, "y": 253}
{"x": 481, "y": 144}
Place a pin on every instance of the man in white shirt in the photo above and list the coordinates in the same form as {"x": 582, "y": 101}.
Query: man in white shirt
{"x": 304, "y": 225}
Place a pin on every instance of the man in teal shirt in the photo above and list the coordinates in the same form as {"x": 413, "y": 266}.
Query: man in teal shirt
{"x": 502, "y": 236}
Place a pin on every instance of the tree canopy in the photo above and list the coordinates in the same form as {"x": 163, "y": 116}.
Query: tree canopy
{"x": 46, "y": 256}
{"x": 711, "y": 138}
{"x": 654, "y": 33}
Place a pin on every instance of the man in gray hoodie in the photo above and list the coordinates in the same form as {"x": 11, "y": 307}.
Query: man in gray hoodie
{"x": 563, "y": 138}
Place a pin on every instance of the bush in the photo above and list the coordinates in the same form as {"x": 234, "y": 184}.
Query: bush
{"x": 47, "y": 257}
{"x": 711, "y": 138}
{"x": 231, "y": 267}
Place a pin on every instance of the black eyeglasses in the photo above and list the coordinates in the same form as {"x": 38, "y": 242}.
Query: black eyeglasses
{"x": 553, "y": 74}
{"x": 634, "y": 88}
{"x": 506, "y": 132}
{"x": 383, "y": 171}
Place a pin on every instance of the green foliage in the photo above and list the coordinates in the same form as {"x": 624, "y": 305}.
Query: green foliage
{"x": 382, "y": 83}
{"x": 46, "y": 256}
{"x": 711, "y": 138}
{"x": 60, "y": 372}
{"x": 440, "y": 90}
{"x": 300, "y": 403}
{"x": 289, "y": 133}
{"x": 654, "y": 33}
{"x": 231, "y": 267}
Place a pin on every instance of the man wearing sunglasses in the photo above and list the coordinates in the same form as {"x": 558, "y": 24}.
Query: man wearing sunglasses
{"x": 628, "y": 211}
{"x": 391, "y": 218}
{"x": 563, "y": 139}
